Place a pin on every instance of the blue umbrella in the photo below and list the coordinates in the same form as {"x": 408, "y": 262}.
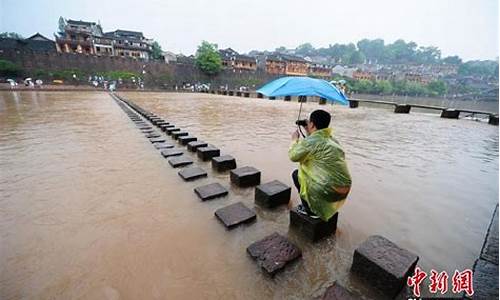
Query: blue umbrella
{"x": 303, "y": 86}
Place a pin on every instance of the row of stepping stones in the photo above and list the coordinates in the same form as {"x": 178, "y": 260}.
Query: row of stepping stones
{"x": 378, "y": 261}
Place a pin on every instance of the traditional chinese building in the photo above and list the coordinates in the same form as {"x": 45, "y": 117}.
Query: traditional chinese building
{"x": 359, "y": 74}
{"x": 128, "y": 43}
{"x": 77, "y": 37}
{"x": 88, "y": 38}
{"x": 320, "y": 70}
{"x": 237, "y": 62}
{"x": 284, "y": 64}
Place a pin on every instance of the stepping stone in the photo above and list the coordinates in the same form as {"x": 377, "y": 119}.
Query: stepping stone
{"x": 180, "y": 161}
{"x": 272, "y": 194}
{"x": 210, "y": 191}
{"x": 223, "y": 163}
{"x": 153, "y": 135}
{"x": 163, "y": 146}
{"x": 235, "y": 214}
{"x": 164, "y": 127}
{"x": 171, "y": 152}
{"x": 157, "y": 140}
{"x": 177, "y": 134}
{"x": 206, "y": 153}
{"x": 273, "y": 253}
{"x": 186, "y": 139}
{"x": 172, "y": 130}
{"x": 192, "y": 146}
{"x": 245, "y": 176}
{"x": 145, "y": 131}
{"x": 192, "y": 173}
{"x": 141, "y": 127}
{"x": 338, "y": 292}
{"x": 311, "y": 228}
{"x": 383, "y": 264}
{"x": 159, "y": 123}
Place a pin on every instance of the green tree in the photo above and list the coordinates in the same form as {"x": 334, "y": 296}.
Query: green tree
{"x": 305, "y": 49}
{"x": 452, "y": 60}
{"x": 12, "y": 35}
{"x": 357, "y": 57}
{"x": 437, "y": 87}
{"x": 8, "y": 68}
{"x": 208, "y": 58}
{"x": 157, "y": 51}
{"x": 372, "y": 49}
{"x": 383, "y": 87}
{"x": 363, "y": 86}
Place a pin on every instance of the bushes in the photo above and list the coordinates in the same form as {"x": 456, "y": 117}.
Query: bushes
{"x": 399, "y": 87}
{"x": 8, "y": 68}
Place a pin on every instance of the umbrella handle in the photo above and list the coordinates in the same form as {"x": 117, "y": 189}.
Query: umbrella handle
{"x": 298, "y": 118}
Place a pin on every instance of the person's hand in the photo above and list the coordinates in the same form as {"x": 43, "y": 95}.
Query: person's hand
{"x": 295, "y": 135}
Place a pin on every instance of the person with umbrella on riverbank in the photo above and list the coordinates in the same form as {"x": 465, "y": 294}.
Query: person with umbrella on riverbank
{"x": 322, "y": 179}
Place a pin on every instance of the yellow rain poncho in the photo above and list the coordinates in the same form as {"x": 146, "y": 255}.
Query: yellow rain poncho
{"x": 323, "y": 175}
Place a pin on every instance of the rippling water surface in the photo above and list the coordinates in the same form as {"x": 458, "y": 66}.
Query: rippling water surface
{"x": 90, "y": 210}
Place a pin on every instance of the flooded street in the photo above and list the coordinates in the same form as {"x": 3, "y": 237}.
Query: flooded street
{"x": 89, "y": 209}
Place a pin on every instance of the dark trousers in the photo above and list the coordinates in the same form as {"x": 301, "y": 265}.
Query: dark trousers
{"x": 295, "y": 177}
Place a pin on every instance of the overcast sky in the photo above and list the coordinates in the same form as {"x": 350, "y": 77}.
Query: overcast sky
{"x": 468, "y": 28}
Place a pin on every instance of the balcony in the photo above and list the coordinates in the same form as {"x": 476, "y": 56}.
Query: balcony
{"x": 74, "y": 42}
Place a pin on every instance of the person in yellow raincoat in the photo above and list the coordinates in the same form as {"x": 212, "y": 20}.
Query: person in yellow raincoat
{"x": 323, "y": 179}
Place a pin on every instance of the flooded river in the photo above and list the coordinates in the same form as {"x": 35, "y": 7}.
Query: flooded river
{"x": 90, "y": 210}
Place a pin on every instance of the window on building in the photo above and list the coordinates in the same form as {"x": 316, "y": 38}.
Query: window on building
{"x": 98, "y": 49}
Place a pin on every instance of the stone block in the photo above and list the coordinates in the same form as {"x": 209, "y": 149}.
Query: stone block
{"x": 210, "y": 191}
{"x": 163, "y": 146}
{"x": 245, "y": 176}
{"x": 493, "y": 120}
{"x": 153, "y": 135}
{"x": 192, "y": 173}
{"x": 383, "y": 264}
{"x": 166, "y": 127}
{"x": 288, "y": 98}
{"x": 338, "y": 292}
{"x": 172, "y": 130}
{"x": 302, "y": 99}
{"x": 206, "y": 153}
{"x": 177, "y": 134}
{"x": 273, "y": 253}
{"x": 147, "y": 131}
{"x": 231, "y": 93}
{"x": 180, "y": 161}
{"x": 235, "y": 214}
{"x": 485, "y": 280}
{"x": 193, "y": 146}
{"x": 272, "y": 194}
{"x": 402, "y": 109}
{"x": 223, "y": 163}
{"x": 238, "y": 94}
{"x": 157, "y": 140}
{"x": 353, "y": 103}
{"x": 322, "y": 101}
{"x": 186, "y": 139}
{"x": 450, "y": 113}
{"x": 313, "y": 229}
{"x": 144, "y": 127}
{"x": 272, "y": 98}
{"x": 171, "y": 152}
{"x": 260, "y": 96}
{"x": 246, "y": 95}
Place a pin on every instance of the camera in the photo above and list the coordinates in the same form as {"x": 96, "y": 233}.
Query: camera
{"x": 302, "y": 123}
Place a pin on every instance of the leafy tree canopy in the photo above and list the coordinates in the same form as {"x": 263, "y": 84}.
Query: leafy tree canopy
{"x": 208, "y": 58}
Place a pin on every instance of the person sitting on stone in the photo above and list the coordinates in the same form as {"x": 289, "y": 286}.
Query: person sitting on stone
{"x": 322, "y": 179}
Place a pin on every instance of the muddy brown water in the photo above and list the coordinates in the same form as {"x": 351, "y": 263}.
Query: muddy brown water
{"x": 90, "y": 210}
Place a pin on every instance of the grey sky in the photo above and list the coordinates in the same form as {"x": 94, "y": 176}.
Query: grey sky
{"x": 468, "y": 28}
